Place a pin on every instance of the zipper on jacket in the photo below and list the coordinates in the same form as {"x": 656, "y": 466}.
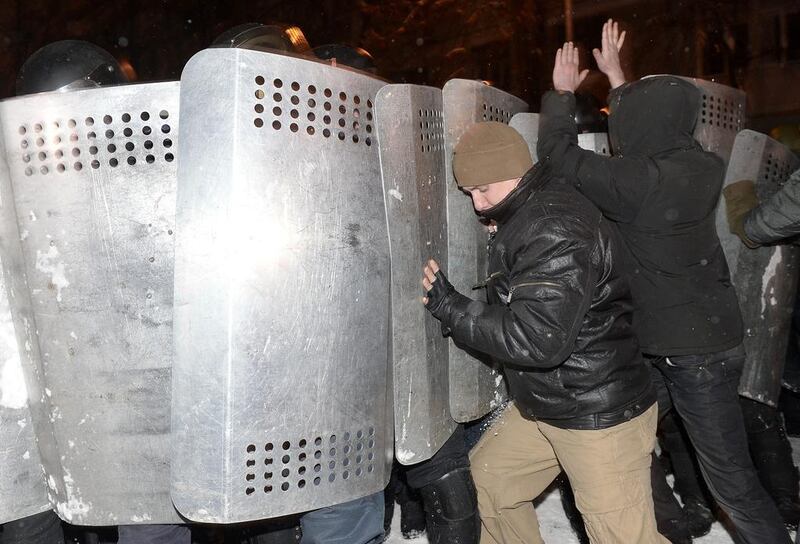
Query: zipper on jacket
{"x": 484, "y": 283}
{"x": 530, "y": 284}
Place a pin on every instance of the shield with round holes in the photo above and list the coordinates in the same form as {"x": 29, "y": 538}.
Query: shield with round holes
{"x": 765, "y": 278}
{"x": 475, "y": 385}
{"x": 22, "y": 484}
{"x": 282, "y": 397}
{"x": 721, "y": 116}
{"x": 410, "y": 128}
{"x": 93, "y": 177}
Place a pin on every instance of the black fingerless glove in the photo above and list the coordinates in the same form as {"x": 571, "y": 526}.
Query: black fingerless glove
{"x": 441, "y": 290}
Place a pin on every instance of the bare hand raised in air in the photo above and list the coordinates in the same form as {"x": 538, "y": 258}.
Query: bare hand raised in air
{"x": 566, "y": 73}
{"x": 608, "y": 58}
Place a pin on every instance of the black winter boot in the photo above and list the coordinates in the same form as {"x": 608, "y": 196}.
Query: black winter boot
{"x": 772, "y": 457}
{"x": 670, "y": 519}
{"x": 698, "y": 515}
{"x": 451, "y": 504}
{"x": 389, "y": 496}
{"x": 412, "y": 514}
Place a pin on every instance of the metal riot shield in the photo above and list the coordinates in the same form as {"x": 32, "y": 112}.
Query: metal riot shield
{"x": 765, "y": 278}
{"x": 595, "y": 141}
{"x": 282, "y": 392}
{"x": 475, "y": 387}
{"x": 721, "y": 117}
{"x": 410, "y": 128}
{"x": 22, "y": 485}
{"x": 527, "y": 124}
{"x": 93, "y": 176}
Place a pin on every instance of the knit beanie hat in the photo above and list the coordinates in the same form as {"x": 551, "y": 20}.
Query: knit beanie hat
{"x": 489, "y": 152}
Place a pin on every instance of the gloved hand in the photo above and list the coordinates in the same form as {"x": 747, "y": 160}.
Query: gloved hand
{"x": 438, "y": 289}
{"x": 740, "y": 199}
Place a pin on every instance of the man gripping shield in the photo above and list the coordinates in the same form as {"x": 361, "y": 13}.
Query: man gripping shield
{"x": 558, "y": 319}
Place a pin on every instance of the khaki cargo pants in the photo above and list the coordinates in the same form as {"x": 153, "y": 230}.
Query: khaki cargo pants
{"x": 609, "y": 471}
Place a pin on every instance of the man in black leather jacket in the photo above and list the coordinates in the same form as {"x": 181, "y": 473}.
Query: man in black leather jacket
{"x": 558, "y": 319}
{"x": 661, "y": 189}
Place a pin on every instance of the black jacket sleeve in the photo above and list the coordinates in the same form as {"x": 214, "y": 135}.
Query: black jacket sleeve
{"x": 552, "y": 283}
{"x": 778, "y": 217}
{"x": 616, "y": 185}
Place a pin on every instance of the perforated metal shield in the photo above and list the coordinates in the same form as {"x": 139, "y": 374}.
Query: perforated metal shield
{"x": 765, "y": 278}
{"x": 93, "y": 178}
{"x": 722, "y": 116}
{"x": 527, "y": 124}
{"x": 410, "y": 128}
{"x": 282, "y": 397}
{"x": 22, "y": 488}
{"x": 475, "y": 387}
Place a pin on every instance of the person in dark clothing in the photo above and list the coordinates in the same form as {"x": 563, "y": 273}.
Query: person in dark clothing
{"x": 776, "y": 220}
{"x": 437, "y": 496}
{"x": 661, "y": 189}
{"x": 689, "y": 485}
{"x": 558, "y": 319}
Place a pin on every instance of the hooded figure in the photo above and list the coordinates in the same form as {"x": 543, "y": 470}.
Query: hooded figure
{"x": 661, "y": 189}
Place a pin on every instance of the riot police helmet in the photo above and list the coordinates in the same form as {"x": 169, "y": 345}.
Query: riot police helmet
{"x": 288, "y": 39}
{"x": 589, "y": 116}
{"x": 346, "y": 55}
{"x": 68, "y": 65}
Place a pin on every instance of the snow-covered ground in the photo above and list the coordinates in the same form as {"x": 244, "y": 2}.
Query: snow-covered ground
{"x": 555, "y": 527}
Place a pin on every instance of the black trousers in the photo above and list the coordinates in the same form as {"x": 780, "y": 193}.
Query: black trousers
{"x": 451, "y": 456}
{"x": 703, "y": 391}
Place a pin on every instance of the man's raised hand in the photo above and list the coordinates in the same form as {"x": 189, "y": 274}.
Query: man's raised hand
{"x": 566, "y": 73}
{"x": 608, "y": 58}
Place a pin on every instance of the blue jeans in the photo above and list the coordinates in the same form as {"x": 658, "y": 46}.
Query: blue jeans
{"x": 703, "y": 391}
{"x": 154, "y": 534}
{"x": 44, "y": 528}
{"x": 355, "y": 522}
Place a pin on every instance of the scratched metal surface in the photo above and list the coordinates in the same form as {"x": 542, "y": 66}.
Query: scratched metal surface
{"x": 410, "y": 128}
{"x": 527, "y": 124}
{"x": 475, "y": 386}
{"x": 282, "y": 391}
{"x": 765, "y": 278}
{"x": 22, "y": 488}
{"x": 93, "y": 175}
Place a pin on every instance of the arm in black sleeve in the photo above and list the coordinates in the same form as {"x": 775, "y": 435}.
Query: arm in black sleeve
{"x": 616, "y": 185}
{"x": 778, "y": 217}
{"x": 552, "y": 284}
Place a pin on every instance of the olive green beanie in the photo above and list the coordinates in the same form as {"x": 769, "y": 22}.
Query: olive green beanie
{"x": 489, "y": 152}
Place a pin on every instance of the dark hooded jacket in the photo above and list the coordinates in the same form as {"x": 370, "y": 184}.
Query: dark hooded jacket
{"x": 559, "y": 310}
{"x": 661, "y": 189}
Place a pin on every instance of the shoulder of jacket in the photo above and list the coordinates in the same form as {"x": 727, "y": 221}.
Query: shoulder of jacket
{"x": 565, "y": 213}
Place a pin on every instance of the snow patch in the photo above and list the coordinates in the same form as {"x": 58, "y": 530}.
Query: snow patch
{"x": 404, "y": 456}
{"x": 767, "y": 289}
{"x": 394, "y": 193}
{"x": 46, "y": 263}
{"x": 73, "y": 506}
{"x": 13, "y": 393}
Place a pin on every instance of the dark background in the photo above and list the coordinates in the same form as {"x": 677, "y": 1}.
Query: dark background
{"x": 750, "y": 44}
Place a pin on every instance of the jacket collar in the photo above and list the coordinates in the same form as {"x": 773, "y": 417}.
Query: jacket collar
{"x": 533, "y": 180}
